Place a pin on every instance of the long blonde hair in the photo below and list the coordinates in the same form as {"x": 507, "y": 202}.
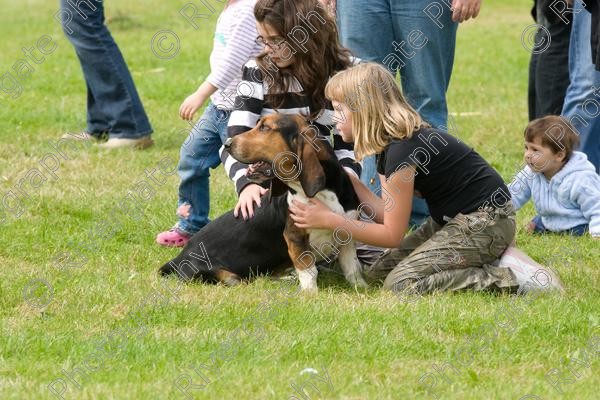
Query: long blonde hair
{"x": 380, "y": 112}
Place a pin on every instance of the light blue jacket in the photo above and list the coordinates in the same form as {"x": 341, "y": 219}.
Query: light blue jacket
{"x": 570, "y": 198}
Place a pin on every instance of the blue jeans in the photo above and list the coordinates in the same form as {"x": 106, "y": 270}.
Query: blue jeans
{"x": 113, "y": 104}
{"x": 582, "y": 102}
{"x": 578, "y": 230}
{"x": 198, "y": 154}
{"x": 414, "y": 37}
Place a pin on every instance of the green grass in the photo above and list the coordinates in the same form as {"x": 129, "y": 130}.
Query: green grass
{"x": 371, "y": 345}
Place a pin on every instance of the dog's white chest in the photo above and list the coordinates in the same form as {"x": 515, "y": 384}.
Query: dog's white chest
{"x": 327, "y": 245}
{"x": 323, "y": 240}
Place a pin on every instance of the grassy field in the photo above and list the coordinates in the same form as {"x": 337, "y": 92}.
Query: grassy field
{"x": 70, "y": 293}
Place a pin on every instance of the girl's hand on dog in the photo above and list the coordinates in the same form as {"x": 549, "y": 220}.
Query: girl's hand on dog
{"x": 250, "y": 194}
{"x": 314, "y": 215}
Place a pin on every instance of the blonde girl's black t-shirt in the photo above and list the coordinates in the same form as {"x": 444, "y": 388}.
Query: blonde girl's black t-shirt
{"x": 451, "y": 177}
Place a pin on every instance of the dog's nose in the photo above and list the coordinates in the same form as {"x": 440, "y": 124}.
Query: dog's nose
{"x": 227, "y": 143}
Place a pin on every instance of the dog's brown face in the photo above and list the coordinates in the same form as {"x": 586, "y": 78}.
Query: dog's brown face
{"x": 287, "y": 144}
{"x": 267, "y": 139}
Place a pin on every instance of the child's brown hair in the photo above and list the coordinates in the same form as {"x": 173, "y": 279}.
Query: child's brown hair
{"x": 316, "y": 59}
{"x": 555, "y": 132}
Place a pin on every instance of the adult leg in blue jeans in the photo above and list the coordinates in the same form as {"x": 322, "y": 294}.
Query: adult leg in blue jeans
{"x": 114, "y": 106}
{"x": 199, "y": 153}
{"x": 413, "y": 38}
{"x": 582, "y": 102}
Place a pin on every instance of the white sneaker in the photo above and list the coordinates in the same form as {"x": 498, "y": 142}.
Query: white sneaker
{"x": 530, "y": 274}
{"x": 139, "y": 144}
{"x": 80, "y": 136}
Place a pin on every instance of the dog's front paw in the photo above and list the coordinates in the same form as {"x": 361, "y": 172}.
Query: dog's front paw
{"x": 309, "y": 291}
{"x": 308, "y": 279}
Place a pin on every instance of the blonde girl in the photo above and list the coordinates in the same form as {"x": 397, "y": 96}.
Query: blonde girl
{"x": 472, "y": 220}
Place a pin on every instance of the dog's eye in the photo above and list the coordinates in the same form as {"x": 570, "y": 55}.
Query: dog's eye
{"x": 263, "y": 128}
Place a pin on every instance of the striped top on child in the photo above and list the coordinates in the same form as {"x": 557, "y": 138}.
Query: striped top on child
{"x": 234, "y": 44}
{"x": 250, "y": 106}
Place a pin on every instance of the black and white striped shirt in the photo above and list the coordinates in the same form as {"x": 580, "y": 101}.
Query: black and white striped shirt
{"x": 250, "y": 106}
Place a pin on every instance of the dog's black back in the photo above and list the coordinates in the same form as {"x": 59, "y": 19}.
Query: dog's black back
{"x": 246, "y": 248}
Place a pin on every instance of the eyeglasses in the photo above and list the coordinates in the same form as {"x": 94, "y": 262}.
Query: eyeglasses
{"x": 273, "y": 44}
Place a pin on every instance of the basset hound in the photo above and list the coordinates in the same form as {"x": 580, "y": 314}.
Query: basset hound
{"x": 299, "y": 164}
{"x": 306, "y": 163}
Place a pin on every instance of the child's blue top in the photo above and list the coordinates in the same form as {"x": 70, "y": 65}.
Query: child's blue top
{"x": 570, "y": 198}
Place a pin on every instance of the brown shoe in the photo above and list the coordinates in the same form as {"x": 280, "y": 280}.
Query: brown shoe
{"x": 139, "y": 144}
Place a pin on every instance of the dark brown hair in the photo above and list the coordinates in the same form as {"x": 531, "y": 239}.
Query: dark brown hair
{"x": 556, "y": 133}
{"x": 314, "y": 61}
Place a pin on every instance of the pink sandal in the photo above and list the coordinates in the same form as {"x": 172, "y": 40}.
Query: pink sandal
{"x": 172, "y": 238}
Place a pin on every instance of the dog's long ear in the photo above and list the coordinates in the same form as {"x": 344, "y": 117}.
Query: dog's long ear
{"x": 312, "y": 176}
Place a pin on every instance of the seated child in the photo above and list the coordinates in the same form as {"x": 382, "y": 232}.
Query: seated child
{"x": 564, "y": 185}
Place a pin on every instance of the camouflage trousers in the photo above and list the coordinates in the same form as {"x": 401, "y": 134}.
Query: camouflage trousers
{"x": 452, "y": 257}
